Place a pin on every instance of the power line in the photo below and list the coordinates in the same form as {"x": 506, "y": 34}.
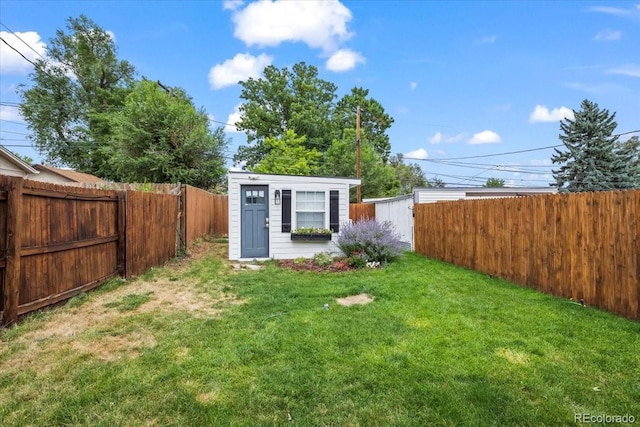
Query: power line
{"x": 14, "y": 122}
{"x": 18, "y": 52}
{"x": 19, "y": 38}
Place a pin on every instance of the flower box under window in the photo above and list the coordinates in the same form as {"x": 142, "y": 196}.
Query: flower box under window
{"x": 315, "y": 237}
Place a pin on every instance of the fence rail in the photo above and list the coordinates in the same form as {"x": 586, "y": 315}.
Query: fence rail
{"x": 57, "y": 241}
{"x": 582, "y": 246}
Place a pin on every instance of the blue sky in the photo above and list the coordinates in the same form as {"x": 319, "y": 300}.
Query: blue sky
{"x": 461, "y": 79}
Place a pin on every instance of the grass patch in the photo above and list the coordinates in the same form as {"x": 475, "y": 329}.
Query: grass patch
{"x": 438, "y": 345}
{"x": 130, "y": 301}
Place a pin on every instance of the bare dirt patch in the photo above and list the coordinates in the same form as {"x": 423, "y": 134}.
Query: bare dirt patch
{"x": 355, "y": 299}
{"x": 93, "y": 327}
{"x": 336, "y": 266}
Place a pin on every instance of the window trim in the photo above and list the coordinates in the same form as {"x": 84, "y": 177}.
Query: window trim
{"x": 294, "y": 208}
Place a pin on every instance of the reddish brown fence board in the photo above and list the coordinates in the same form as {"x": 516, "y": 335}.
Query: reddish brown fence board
{"x": 582, "y": 246}
{"x": 59, "y": 240}
{"x": 151, "y": 230}
{"x": 359, "y": 211}
{"x": 205, "y": 213}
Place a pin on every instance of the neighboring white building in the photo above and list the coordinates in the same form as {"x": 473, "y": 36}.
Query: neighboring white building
{"x": 62, "y": 176}
{"x": 265, "y": 211}
{"x": 398, "y": 211}
{"x": 432, "y": 195}
{"x": 12, "y": 165}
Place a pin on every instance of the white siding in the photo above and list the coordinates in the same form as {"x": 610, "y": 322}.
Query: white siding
{"x": 280, "y": 244}
{"x": 437, "y": 195}
{"x": 398, "y": 211}
{"x": 8, "y": 168}
{"x": 46, "y": 176}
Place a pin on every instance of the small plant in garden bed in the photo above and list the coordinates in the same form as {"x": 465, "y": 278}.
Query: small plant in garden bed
{"x": 312, "y": 230}
{"x": 322, "y": 259}
{"x": 375, "y": 242}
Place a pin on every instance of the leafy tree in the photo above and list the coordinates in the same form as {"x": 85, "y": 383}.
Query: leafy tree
{"x": 374, "y": 122}
{"x": 494, "y": 183}
{"x": 288, "y": 156}
{"x": 28, "y": 160}
{"x": 378, "y": 178}
{"x": 435, "y": 182}
{"x": 592, "y": 159}
{"x": 296, "y": 100}
{"x": 409, "y": 176}
{"x": 73, "y": 91}
{"x": 162, "y": 137}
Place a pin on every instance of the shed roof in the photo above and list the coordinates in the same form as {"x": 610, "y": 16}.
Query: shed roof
{"x": 353, "y": 182}
{"x": 69, "y": 174}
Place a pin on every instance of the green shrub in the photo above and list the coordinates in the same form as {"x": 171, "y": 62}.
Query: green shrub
{"x": 322, "y": 259}
{"x": 357, "y": 260}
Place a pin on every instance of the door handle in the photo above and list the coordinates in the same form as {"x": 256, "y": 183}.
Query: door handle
{"x": 266, "y": 222}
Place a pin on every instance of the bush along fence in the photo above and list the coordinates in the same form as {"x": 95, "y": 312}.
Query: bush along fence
{"x": 57, "y": 241}
{"x": 584, "y": 247}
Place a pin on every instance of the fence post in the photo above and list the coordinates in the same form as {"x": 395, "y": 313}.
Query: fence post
{"x": 121, "y": 262}
{"x": 14, "y": 246}
{"x": 183, "y": 218}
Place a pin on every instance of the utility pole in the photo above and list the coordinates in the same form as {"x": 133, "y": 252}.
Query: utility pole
{"x": 359, "y": 195}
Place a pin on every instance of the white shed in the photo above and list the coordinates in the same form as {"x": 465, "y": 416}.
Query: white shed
{"x": 398, "y": 211}
{"x": 266, "y": 210}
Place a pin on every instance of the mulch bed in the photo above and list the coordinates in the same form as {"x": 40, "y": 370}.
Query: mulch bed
{"x": 308, "y": 265}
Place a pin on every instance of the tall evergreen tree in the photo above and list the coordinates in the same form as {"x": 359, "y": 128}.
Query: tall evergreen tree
{"x": 592, "y": 160}
{"x": 630, "y": 153}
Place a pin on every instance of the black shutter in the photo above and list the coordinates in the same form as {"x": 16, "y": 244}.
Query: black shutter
{"x": 334, "y": 211}
{"x": 286, "y": 211}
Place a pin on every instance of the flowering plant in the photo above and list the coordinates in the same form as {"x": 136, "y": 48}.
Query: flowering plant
{"x": 377, "y": 241}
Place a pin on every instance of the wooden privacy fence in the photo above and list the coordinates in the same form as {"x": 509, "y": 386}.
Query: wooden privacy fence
{"x": 583, "y": 246}
{"x": 204, "y": 213}
{"x": 358, "y": 211}
{"x": 57, "y": 241}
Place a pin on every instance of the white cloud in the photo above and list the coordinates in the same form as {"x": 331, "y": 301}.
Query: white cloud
{"x": 241, "y": 67}
{"x": 319, "y": 24}
{"x": 485, "y": 137}
{"x": 608, "y": 35}
{"x": 541, "y": 114}
{"x": 10, "y": 61}
{"x": 439, "y": 137}
{"x": 232, "y": 4}
{"x": 630, "y": 13}
{"x": 413, "y": 85}
{"x": 487, "y": 40}
{"x": 232, "y": 119}
{"x": 436, "y": 138}
{"x": 10, "y": 113}
{"x": 344, "y": 60}
{"x": 112, "y": 35}
{"x": 630, "y": 70}
{"x": 420, "y": 153}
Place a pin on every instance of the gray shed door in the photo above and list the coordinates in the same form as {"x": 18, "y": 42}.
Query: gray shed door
{"x": 254, "y": 231}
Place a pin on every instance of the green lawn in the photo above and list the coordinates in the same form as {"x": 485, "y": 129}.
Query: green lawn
{"x": 197, "y": 344}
